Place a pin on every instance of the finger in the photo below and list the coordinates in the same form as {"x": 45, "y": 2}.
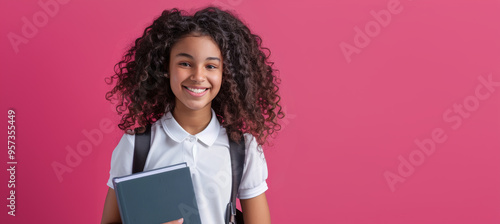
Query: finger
{"x": 181, "y": 220}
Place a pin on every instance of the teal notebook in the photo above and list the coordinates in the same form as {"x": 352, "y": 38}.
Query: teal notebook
{"x": 157, "y": 196}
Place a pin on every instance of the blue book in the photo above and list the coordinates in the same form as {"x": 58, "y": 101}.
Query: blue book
{"x": 157, "y": 196}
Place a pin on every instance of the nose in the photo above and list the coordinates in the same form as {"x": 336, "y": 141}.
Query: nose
{"x": 198, "y": 74}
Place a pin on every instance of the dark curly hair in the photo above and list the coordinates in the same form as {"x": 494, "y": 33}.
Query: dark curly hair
{"x": 248, "y": 101}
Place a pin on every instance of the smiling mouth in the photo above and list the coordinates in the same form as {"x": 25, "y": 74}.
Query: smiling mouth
{"x": 196, "y": 90}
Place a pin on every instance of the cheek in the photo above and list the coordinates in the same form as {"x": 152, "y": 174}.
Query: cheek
{"x": 174, "y": 85}
{"x": 174, "y": 81}
{"x": 217, "y": 81}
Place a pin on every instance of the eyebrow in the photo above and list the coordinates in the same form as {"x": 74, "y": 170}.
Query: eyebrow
{"x": 189, "y": 56}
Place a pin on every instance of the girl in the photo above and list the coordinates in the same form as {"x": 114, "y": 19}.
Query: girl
{"x": 198, "y": 80}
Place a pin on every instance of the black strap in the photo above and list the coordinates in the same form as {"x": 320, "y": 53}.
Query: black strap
{"x": 237, "y": 152}
{"x": 141, "y": 149}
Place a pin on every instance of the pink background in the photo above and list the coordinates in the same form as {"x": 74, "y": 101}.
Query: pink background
{"x": 349, "y": 119}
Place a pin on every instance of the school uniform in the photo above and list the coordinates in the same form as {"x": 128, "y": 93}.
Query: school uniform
{"x": 206, "y": 154}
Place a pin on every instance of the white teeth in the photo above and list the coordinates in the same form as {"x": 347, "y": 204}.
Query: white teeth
{"x": 196, "y": 90}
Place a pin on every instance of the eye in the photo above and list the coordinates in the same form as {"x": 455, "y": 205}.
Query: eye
{"x": 211, "y": 67}
{"x": 184, "y": 64}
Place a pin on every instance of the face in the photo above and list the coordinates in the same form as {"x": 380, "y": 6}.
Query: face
{"x": 195, "y": 72}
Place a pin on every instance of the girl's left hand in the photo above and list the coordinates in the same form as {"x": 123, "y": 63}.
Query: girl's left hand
{"x": 181, "y": 220}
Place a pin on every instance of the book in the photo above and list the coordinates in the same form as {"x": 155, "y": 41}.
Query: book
{"x": 157, "y": 196}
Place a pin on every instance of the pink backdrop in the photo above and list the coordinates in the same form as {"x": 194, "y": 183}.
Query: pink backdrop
{"x": 393, "y": 107}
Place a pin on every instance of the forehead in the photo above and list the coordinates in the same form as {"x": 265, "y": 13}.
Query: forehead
{"x": 197, "y": 46}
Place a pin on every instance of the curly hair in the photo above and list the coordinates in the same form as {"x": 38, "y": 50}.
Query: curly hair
{"x": 248, "y": 101}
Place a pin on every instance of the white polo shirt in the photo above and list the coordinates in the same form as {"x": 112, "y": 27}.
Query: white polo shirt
{"x": 206, "y": 154}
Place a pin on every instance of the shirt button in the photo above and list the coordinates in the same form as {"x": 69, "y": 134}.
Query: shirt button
{"x": 192, "y": 138}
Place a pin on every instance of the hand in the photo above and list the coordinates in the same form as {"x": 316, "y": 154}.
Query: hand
{"x": 181, "y": 220}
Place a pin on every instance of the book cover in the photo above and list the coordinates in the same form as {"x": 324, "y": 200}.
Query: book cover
{"x": 157, "y": 196}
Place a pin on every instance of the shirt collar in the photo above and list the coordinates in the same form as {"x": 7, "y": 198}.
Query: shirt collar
{"x": 178, "y": 134}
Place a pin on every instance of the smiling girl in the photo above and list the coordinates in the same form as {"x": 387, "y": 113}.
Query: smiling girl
{"x": 198, "y": 80}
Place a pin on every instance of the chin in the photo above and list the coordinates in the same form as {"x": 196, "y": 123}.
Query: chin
{"x": 195, "y": 107}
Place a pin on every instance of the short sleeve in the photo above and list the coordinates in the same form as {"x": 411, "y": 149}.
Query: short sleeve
{"x": 121, "y": 159}
{"x": 253, "y": 182}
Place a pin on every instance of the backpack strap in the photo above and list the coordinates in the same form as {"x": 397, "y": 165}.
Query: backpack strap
{"x": 141, "y": 149}
{"x": 237, "y": 152}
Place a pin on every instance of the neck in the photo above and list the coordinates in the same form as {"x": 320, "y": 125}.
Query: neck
{"x": 193, "y": 121}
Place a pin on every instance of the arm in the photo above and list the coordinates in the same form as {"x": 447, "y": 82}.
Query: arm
{"x": 256, "y": 210}
{"x": 110, "y": 213}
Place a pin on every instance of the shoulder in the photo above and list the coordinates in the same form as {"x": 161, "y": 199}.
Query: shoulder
{"x": 121, "y": 158}
{"x": 125, "y": 145}
{"x": 252, "y": 147}
{"x": 124, "y": 150}
{"x": 255, "y": 173}
{"x": 250, "y": 140}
